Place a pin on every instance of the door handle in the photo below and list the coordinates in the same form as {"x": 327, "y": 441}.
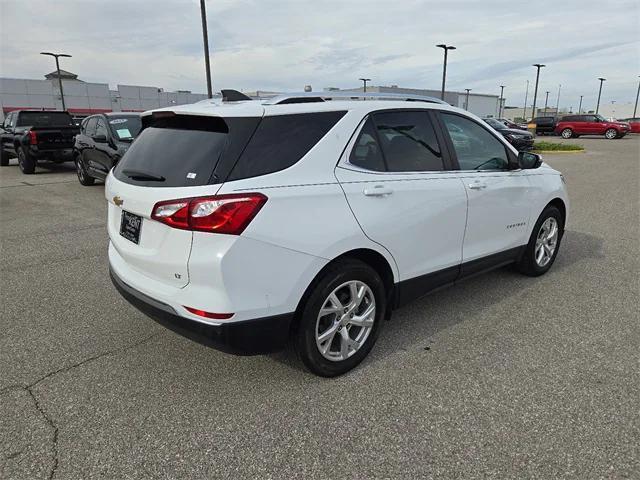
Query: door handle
{"x": 377, "y": 191}
{"x": 477, "y": 186}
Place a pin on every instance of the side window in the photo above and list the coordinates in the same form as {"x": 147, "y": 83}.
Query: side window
{"x": 475, "y": 147}
{"x": 280, "y": 141}
{"x": 366, "y": 151}
{"x": 588, "y": 118}
{"x": 101, "y": 128}
{"x": 90, "y": 126}
{"x": 408, "y": 141}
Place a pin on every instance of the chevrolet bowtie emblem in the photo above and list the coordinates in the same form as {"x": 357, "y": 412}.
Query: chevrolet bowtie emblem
{"x": 118, "y": 201}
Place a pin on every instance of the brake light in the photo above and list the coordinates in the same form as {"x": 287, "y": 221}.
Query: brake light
{"x": 33, "y": 138}
{"x": 229, "y": 214}
{"x": 216, "y": 316}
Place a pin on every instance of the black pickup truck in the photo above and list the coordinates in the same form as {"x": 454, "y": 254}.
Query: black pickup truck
{"x": 37, "y": 135}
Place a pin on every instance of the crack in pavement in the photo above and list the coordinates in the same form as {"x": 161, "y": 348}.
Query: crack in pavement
{"x": 43, "y": 413}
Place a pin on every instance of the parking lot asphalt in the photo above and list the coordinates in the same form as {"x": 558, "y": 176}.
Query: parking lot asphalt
{"x": 502, "y": 376}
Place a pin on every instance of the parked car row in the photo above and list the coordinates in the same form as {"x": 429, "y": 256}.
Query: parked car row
{"x": 95, "y": 143}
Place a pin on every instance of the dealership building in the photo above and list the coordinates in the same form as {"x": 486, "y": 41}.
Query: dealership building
{"x": 86, "y": 98}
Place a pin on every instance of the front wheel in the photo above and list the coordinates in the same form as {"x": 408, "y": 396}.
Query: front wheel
{"x": 544, "y": 243}
{"x": 611, "y": 133}
{"x": 566, "y": 133}
{"x": 341, "y": 318}
{"x": 26, "y": 161}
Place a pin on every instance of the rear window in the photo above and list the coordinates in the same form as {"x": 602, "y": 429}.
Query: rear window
{"x": 44, "y": 119}
{"x": 280, "y": 141}
{"x": 183, "y": 150}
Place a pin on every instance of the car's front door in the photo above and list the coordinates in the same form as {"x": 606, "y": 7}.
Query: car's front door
{"x": 7, "y": 133}
{"x": 396, "y": 177}
{"x": 103, "y": 149}
{"x": 590, "y": 125}
{"x": 498, "y": 197}
{"x": 85, "y": 142}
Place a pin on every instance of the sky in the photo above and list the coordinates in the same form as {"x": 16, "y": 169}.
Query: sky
{"x": 285, "y": 45}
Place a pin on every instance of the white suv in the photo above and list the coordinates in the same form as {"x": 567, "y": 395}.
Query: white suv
{"x": 243, "y": 224}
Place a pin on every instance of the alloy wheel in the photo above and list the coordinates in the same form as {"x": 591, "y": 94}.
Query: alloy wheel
{"x": 611, "y": 133}
{"x": 546, "y": 241}
{"x": 345, "y": 320}
{"x": 80, "y": 171}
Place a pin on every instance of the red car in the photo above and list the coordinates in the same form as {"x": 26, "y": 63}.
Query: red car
{"x": 634, "y": 124}
{"x": 576, "y": 125}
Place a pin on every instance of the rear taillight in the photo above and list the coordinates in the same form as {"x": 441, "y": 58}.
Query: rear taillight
{"x": 228, "y": 214}
{"x": 216, "y": 316}
{"x": 33, "y": 138}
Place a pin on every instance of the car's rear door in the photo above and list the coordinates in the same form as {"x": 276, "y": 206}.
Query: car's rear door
{"x": 396, "y": 178}
{"x": 498, "y": 197}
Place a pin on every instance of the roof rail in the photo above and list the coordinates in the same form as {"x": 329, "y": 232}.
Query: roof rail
{"x": 307, "y": 97}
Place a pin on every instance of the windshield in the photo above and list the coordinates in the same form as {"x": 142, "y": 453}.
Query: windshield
{"x": 44, "y": 119}
{"x": 495, "y": 123}
{"x": 125, "y": 127}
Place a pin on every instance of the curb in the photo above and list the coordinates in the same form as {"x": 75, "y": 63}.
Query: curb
{"x": 558, "y": 151}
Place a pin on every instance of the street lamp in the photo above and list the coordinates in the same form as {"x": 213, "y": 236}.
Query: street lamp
{"x": 56, "y": 56}
{"x": 446, "y": 49}
{"x": 635, "y": 109}
{"x": 364, "y": 81}
{"x": 205, "y": 37}
{"x": 466, "y": 102}
{"x": 580, "y": 106}
{"x": 501, "y": 100}
{"x": 535, "y": 91}
{"x": 546, "y": 100}
{"x": 599, "y": 93}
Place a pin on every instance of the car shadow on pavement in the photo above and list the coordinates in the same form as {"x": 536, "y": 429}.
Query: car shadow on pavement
{"x": 413, "y": 326}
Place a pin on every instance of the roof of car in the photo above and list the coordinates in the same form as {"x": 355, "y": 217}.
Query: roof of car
{"x": 122, "y": 114}
{"x": 268, "y": 107}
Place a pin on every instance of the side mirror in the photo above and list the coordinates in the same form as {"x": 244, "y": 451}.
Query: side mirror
{"x": 100, "y": 139}
{"x": 528, "y": 160}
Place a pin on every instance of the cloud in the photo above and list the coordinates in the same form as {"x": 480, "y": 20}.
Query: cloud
{"x": 280, "y": 45}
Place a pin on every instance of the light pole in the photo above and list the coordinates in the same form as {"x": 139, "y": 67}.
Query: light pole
{"x": 446, "y": 49}
{"x": 546, "y": 100}
{"x": 535, "y": 91}
{"x": 501, "y": 100}
{"x": 56, "y": 56}
{"x": 205, "y": 38}
{"x": 558, "y": 100}
{"x": 526, "y": 95}
{"x": 580, "y": 106}
{"x": 635, "y": 109}
{"x": 599, "y": 93}
{"x": 365, "y": 80}
{"x": 466, "y": 102}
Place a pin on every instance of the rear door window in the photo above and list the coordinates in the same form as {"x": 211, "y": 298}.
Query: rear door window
{"x": 280, "y": 141}
{"x": 183, "y": 150}
{"x": 44, "y": 119}
{"x": 409, "y": 142}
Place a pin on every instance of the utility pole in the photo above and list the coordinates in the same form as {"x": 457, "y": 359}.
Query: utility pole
{"x": 501, "y": 100}
{"x": 580, "y": 106}
{"x": 446, "y": 49}
{"x": 558, "y": 100}
{"x": 466, "y": 102}
{"x": 56, "y": 56}
{"x": 205, "y": 37}
{"x": 546, "y": 100}
{"x": 599, "y": 93}
{"x": 526, "y": 95}
{"x": 365, "y": 80}
{"x": 635, "y": 109}
{"x": 535, "y": 91}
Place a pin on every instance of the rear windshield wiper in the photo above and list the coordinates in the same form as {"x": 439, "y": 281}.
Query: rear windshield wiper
{"x": 138, "y": 175}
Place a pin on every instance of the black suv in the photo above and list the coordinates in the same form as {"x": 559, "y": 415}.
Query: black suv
{"x": 545, "y": 125}
{"x": 102, "y": 142}
{"x": 520, "y": 139}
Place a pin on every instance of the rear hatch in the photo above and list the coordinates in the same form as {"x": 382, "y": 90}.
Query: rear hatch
{"x": 176, "y": 156}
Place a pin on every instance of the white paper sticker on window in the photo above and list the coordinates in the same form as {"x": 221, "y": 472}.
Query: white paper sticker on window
{"x": 191, "y": 175}
{"x": 123, "y": 133}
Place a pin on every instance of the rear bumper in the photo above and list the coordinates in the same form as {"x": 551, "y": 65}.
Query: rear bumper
{"x": 247, "y": 337}
{"x": 58, "y": 153}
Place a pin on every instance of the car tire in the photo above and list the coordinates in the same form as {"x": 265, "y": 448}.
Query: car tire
{"x": 83, "y": 177}
{"x": 26, "y": 161}
{"x": 611, "y": 133}
{"x": 544, "y": 243}
{"x": 331, "y": 344}
{"x": 566, "y": 133}
{"x": 4, "y": 158}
